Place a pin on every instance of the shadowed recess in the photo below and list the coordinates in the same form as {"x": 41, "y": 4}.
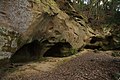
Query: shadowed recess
{"x": 60, "y": 49}
{"x": 27, "y": 52}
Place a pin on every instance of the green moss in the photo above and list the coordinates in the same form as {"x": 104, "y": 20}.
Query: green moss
{"x": 37, "y": 1}
{"x": 116, "y": 54}
{"x": 68, "y": 51}
{"x": 50, "y": 6}
{"x": 47, "y": 9}
{"x": 116, "y": 76}
{"x": 73, "y": 51}
{"x": 52, "y": 3}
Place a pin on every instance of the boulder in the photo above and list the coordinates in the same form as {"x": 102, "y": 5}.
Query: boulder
{"x": 24, "y": 21}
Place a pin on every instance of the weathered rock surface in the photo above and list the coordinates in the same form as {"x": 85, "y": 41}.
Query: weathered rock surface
{"x": 24, "y": 21}
{"x": 106, "y": 39}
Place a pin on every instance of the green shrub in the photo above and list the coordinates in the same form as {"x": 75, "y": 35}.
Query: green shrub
{"x": 116, "y": 76}
{"x": 116, "y": 54}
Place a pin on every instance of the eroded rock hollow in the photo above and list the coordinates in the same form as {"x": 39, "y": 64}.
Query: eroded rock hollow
{"x": 23, "y": 22}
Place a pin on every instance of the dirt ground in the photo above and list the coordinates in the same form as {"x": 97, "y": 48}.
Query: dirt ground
{"x": 86, "y": 65}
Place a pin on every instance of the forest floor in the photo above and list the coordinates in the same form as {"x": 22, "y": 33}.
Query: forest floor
{"x": 85, "y": 65}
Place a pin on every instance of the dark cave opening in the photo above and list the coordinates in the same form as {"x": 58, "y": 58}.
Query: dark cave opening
{"x": 60, "y": 49}
{"x": 95, "y": 43}
{"x": 95, "y": 39}
{"x": 34, "y": 51}
{"x": 27, "y": 52}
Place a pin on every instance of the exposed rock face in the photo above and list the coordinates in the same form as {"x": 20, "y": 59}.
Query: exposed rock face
{"x": 106, "y": 39}
{"x": 24, "y": 21}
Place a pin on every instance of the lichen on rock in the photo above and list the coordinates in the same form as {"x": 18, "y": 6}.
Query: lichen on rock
{"x": 8, "y": 39}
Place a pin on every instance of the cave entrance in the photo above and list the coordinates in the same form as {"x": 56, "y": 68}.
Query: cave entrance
{"x": 27, "y": 52}
{"x": 60, "y": 49}
{"x": 95, "y": 39}
{"x": 95, "y": 43}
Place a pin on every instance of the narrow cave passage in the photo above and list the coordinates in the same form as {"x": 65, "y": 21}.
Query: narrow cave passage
{"x": 60, "y": 49}
{"x": 27, "y": 52}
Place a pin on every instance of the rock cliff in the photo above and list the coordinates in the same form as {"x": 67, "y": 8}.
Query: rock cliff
{"x": 32, "y": 27}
